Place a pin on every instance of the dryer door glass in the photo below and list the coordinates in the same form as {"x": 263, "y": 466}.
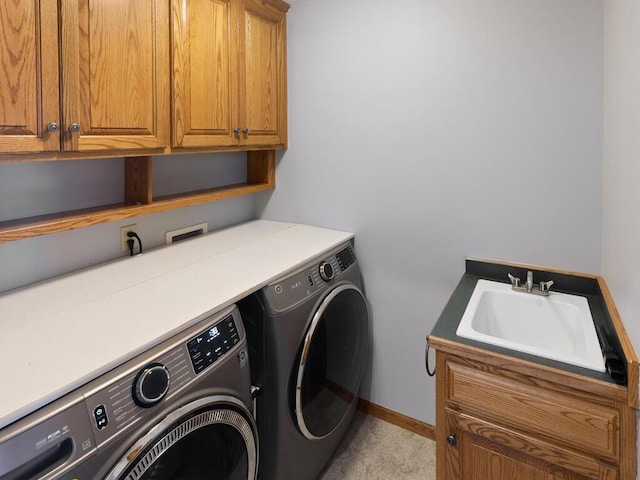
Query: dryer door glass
{"x": 332, "y": 362}
{"x": 215, "y": 441}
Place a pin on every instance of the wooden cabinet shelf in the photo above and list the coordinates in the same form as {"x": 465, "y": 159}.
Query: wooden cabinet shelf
{"x": 139, "y": 199}
{"x": 106, "y": 78}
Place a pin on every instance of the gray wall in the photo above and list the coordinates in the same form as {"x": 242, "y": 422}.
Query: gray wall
{"x": 28, "y": 189}
{"x": 621, "y": 198}
{"x": 621, "y": 187}
{"x": 436, "y": 130}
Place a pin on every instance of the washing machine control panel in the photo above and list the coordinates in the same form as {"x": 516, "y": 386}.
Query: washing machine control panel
{"x": 345, "y": 258}
{"x": 135, "y": 390}
{"x": 211, "y": 344}
{"x": 297, "y": 287}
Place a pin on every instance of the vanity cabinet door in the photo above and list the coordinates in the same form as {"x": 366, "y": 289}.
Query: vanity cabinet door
{"x": 29, "y": 94}
{"x": 114, "y": 74}
{"x": 480, "y": 450}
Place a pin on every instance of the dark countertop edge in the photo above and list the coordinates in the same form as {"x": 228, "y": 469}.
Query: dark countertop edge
{"x": 586, "y": 286}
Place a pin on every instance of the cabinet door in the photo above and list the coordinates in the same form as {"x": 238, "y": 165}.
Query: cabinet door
{"x": 478, "y": 450}
{"x": 204, "y": 79}
{"x": 262, "y": 69}
{"x": 114, "y": 74}
{"x": 29, "y": 95}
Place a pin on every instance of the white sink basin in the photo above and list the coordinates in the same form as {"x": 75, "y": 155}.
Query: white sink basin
{"x": 559, "y": 327}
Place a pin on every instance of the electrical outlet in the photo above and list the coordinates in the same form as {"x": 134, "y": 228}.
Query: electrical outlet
{"x": 123, "y": 236}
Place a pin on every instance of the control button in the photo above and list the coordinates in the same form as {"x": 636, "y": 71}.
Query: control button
{"x": 151, "y": 385}
{"x": 326, "y": 271}
{"x": 278, "y": 289}
{"x": 100, "y": 414}
{"x": 310, "y": 280}
{"x": 242, "y": 356}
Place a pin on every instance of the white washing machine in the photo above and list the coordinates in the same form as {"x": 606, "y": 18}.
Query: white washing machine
{"x": 182, "y": 410}
{"x": 309, "y": 338}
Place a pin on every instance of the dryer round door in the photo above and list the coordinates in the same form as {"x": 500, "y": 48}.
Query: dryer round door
{"x": 332, "y": 362}
{"x": 213, "y": 437}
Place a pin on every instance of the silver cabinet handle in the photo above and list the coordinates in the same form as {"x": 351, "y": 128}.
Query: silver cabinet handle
{"x": 245, "y": 131}
{"x": 236, "y": 130}
{"x": 74, "y": 128}
{"x": 52, "y": 127}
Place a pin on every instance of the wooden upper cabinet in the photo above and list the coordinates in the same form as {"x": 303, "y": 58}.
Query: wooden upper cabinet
{"x": 29, "y": 95}
{"x": 204, "y": 86}
{"x": 229, "y": 73}
{"x": 115, "y": 86}
{"x": 262, "y": 70}
{"x": 142, "y": 75}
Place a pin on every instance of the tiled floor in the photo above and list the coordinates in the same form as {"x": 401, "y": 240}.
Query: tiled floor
{"x": 376, "y": 450}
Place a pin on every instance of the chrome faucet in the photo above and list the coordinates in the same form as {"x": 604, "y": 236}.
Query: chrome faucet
{"x": 530, "y": 287}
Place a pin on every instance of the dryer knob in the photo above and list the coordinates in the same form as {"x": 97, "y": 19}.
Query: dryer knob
{"x": 326, "y": 271}
{"x": 151, "y": 385}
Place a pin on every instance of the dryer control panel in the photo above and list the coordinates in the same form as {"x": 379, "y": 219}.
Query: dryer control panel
{"x": 290, "y": 291}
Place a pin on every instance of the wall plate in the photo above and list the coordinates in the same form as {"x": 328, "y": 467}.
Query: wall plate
{"x": 185, "y": 233}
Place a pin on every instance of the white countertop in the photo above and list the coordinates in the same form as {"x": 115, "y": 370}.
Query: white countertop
{"x": 57, "y": 335}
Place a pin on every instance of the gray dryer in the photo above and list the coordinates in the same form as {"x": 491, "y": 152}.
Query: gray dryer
{"x": 309, "y": 341}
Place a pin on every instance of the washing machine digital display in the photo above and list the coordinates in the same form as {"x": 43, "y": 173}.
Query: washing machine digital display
{"x": 212, "y": 343}
{"x": 345, "y": 258}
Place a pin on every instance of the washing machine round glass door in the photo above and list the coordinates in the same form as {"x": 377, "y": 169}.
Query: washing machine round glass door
{"x": 332, "y": 362}
{"x": 214, "y": 437}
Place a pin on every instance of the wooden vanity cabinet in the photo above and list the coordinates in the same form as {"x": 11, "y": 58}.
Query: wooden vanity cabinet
{"x": 499, "y": 421}
{"x": 229, "y": 73}
{"x": 108, "y": 88}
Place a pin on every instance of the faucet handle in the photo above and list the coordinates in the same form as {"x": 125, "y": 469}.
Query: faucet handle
{"x": 545, "y": 286}
{"x": 515, "y": 281}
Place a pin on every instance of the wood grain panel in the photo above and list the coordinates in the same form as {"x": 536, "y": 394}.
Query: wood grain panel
{"x": 534, "y": 374}
{"x": 138, "y": 180}
{"x": 546, "y": 413}
{"x": 261, "y": 167}
{"x": 46, "y": 224}
{"x": 29, "y": 92}
{"x": 118, "y": 37}
{"x": 19, "y": 59}
{"x": 491, "y": 451}
{"x": 262, "y": 73}
{"x": 204, "y": 75}
{"x": 114, "y": 66}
